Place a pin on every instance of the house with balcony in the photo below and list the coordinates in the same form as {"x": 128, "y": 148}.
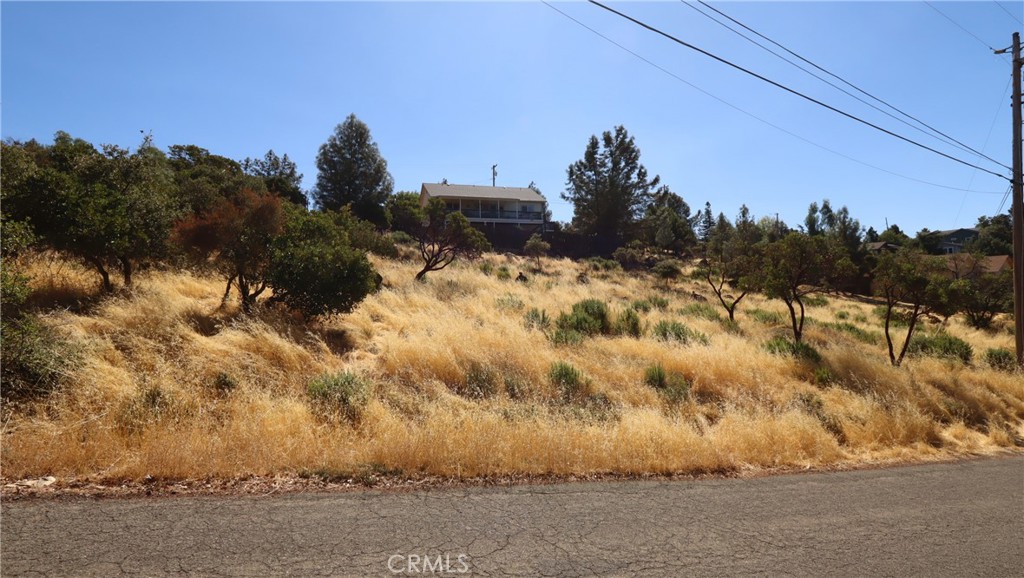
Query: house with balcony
{"x": 519, "y": 208}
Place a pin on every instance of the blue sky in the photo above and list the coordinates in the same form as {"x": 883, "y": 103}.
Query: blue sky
{"x": 448, "y": 89}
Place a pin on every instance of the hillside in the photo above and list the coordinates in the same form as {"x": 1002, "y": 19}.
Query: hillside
{"x": 173, "y": 386}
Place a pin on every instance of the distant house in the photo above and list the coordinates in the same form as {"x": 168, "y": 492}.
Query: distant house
{"x": 953, "y": 240}
{"x": 490, "y": 207}
{"x": 879, "y": 247}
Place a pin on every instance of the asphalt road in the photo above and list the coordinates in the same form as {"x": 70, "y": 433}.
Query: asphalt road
{"x": 958, "y": 519}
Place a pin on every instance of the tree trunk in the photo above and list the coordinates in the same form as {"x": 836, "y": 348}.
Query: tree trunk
{"x": 888, "y": 337}
{"x": 797, "y": 328}
{"x": 108, "y": 287}
{"x": 227, "y": 291}
{"x": 126, "y": 271}
{"x": 910, "y": 332}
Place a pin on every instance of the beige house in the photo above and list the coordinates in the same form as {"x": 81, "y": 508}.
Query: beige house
{"x": 516, "y": 206}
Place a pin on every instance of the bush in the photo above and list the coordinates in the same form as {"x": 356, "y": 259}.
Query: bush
{"x": 568, "y": 380}
{"x": 702, "y": 310}
{"x": 224, "y": 383}
{"x": 842, "y": 315}
{"x": 941, "y": 345}
{"x": 1001, "y": 358}
{"x": 767, "y": 317}
{"x": 589, "y": 317}
{"x": 344, "y": 393}
{"x": 641, "y": 305}
{"x": 798, "y": 349}
{"x": 401, "y": 238}
{"x": 481, "y": 381}
{"x": 675, "y": 331}
{"x": 666, "y": 270}
{"x": 315, "y": 270}
{"x": 862, "y": 335}
{"x": 33, "y": 356}
{"x": 628, "y": 323}
{"x": 659, "y": 302}
{"x": 537, "y": 319}
{"x": 566, "y": 337}
{"x": 503, "y": 273}
{"x": 671, "y": 385}
{"x": 509, "y": 301}
{"x": 486, "y": 268}
{"x": 601, "y": 264}
{"x": 815, "y": 301}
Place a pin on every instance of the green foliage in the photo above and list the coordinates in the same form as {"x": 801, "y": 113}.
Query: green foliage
{"x": 641, "y": 305}
{"x": 816, "y": 301}
{"x": 767, "y": 317}
{"x": 899, "y": 317}
{"x": 566, "y": 336}
{"x": 823, "y": 375}
{"x": 537, "y": 319}
{"x": 842, "y": 315}
{"x": 588, "y": 317}
{"x": 601, "y": 264}
{"x": 352, "y": 172}
{"x": 224, "y": 383}
{"x": 628, "y": 323}
{"x": 509, "y": 301}
{"x": 315, "y": 270}
{"x": 406, "y": 214}
{"x": 666, "y": 270}
{"x": 674, "y": 331}
{"x": 444, "y": 237}
{"x": 503, "y": 273}
{"x": 342, "y": 393}
{"x": 673, "y": 386}
{"x": 1001, "y": 358}
{"x": 659, "y": 302}
{"x": 609, "y": 187}
{"x": 363, "y": 235}
{"x": 798, "y": 349}
{"x": 702, "y": 310}
{"x": 942, "y": 345}
{"x": 279, "y": 175}
{"x": 915, "y": 280}
{"x": 401, "y": 238}
{"x": 568, "y": 380}
{"x": 983, "y": 296}
{"x": 487, "y": 268}
{"x": 863, "y": 335}
{"x": 34, "y": 357}
{"x": 536, "y": 247}
{"x": 481, "y": 381}
{"x": 632, "y": 255}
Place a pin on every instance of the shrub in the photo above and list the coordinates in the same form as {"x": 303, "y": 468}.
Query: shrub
{"x": 344, "y": 393}
{"x": 602, "y": 264}
{"x": 589, "y": 317}
{"x": 628, "y": 323}
{"x": 503, "y": 273}
{"x": 659, "y": 302}
{"x": 666, "y": 270}
{"x": 481, "y": 381}
{"x": 798, "y": 349}
{"x": 509, "y": 301}
{"x": 641, "y": 305}
{"x": 862, "y": 335}
{"x": 767, "y": 317}
{"x": 815, "y": 301}
{"x": 842, "y": 315}
{"x": 823, "y": 375}
{"x": 1000, "y": 358}
{"x": 631, "y": 255}
{"x": 702, "y": 310}
{"x": 899, "y": 318}
{"x": 401, "y": 238}
{"x": 567, "y": 379}
{"x": 537, "y": 319}
{"x": 671, "y": 385}
{"x": 566, "y": 337}
{"x": 34, "y": 358}
{"x": 224, "y": 383}
{"x": 486, "y": 268}
{"x": 941, "y": 345}
{"x": 675, "y": 331}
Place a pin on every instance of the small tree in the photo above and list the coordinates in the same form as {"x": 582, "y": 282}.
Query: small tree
{"x": 237, "y": 234}
{"x": 536, "y": 247}
{"x": 909, "y": 277}
{"x": 797, "y": 266}
{"x": 280, "y": 175}
{"x": 314, "y": 268}
{"x": 727, "y": 266}
{"x": 666, "y": 270}
{"x": 444, "y": 237}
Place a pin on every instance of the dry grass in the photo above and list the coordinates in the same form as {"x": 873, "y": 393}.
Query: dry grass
{"x": 174, "y": 386}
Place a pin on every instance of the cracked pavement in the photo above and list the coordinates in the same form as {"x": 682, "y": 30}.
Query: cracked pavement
{"x": 951, "y": 519}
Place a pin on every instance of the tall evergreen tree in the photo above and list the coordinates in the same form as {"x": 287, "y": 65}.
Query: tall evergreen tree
{"x": 280, "y": 175}
{"x": 353, "y": 172}
{"x": 608, "y": 188}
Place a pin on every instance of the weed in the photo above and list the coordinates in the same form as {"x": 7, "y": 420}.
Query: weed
{"x": 628, "y": 323}
{"x": 641, "y": 305}
{"x": 567, "y": 379}
{"x": 798, "y": 349}
{"x": 1000, "y": 358}
{"x": 486, "y": 268}
{"x": 224, "y": 383}
{"x": 701, "y": 310}
{"x": 537, "y": 319}
{"x": 481, "y": 381}
{"x": 823, "y": 375}
{"x": 659, "y": 302}
{"x": 842, "y": 315}
{"x": 676, "y": 331}
{"x": 671, "y": 385}
{"x": 503, "y": 273}
{"x": 563, "y": 336}
{"x": 766, "y": 317}
{"x": 941, "y": 345}
{"x": 509, "y": 301}
{"x": 601, "y": 264}
{"x": 863, "y": 335}
{"x": 815, "y": 301}
{"x": 589, "y": 317}
{"x": 344, "y": 393}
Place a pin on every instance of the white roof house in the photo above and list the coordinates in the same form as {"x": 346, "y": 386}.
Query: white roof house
{"x": 493, "y": 205}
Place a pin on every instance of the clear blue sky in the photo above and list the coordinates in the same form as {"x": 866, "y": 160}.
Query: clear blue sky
{"x": 448, "y": 89}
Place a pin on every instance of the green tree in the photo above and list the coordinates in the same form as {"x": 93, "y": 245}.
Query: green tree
{"x": 728, "y": 265}
{"x": 797, "y": 266}
{"x": 995, "y": 236}
{"x": 280, "y": 176}
{"x": 895, "y": 236}
{"x": 912, "y": 278}
{"x": 536, "y": 247}
{"x": 705, "y": 224}
{"x": 353, "y": 172}
{"x": 204, "y": 179}
{"x": 667, "y": 223}
{"x": 444, "y": 237}
{"x": 608, "y": 188}
{"x": 315, "y": 269}
{"x": 406, "y": 213}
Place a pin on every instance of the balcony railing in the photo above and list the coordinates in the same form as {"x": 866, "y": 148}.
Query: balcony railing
{"x": 506, "y": 215}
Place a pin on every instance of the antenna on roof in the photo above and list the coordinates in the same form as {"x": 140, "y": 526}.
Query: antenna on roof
{"x": 494, "y": 174}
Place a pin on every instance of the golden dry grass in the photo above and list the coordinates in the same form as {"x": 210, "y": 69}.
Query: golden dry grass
{"x": 149, "y": 396}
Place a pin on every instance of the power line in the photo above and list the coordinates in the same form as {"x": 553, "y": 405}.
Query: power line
{"x": 958, "y": 144}
{"x": 995, "y": 117}
{"x": 759, "y": 119}
{"x": 1002, "y": 203}
{"x": 792, "y": 91}
{"x": 957, "y": 24}
{"x": 1007, "y": 11}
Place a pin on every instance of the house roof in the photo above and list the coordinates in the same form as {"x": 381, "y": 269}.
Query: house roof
{"x": 480, "y": 192}
{"x": 964, "y": 263}
{"x": 880, "y": 245}
{"x": 948, "y": 232}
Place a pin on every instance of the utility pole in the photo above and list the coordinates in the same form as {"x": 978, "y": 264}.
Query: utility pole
{"x": 494, "y": 174}
{"x": 1018, "y": 205}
